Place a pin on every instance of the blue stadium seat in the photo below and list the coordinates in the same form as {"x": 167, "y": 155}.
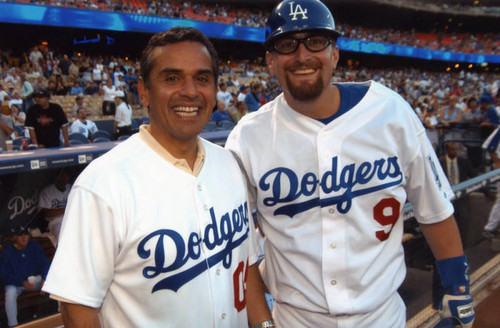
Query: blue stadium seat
{"x": 74, "y": 142}
{"x": 122, "y": 138}
{"x": 100, "y": 139}
{"x": 211, "y": 126}
{"x": 100, "y": 134}
{"x": 226, "y": 125}
{"x": 78, "y": 137}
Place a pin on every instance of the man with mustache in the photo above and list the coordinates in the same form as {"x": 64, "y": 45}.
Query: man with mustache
{"x": 155, "y": 234}
{"x": 329, "y": 169}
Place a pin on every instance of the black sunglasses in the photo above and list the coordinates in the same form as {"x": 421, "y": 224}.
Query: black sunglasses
{"x": 313, "y": 43}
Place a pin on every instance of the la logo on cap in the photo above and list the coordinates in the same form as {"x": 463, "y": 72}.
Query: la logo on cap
{"x": 297, "y": 11}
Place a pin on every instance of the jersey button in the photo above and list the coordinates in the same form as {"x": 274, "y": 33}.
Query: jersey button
{"x": 205, "y": 207}
{"x": 200, "y": 188}
{"x": 333, "y": 282}
{"x": 223, "y": 316}
{"x": 331, "y": 211}
{"x": 333, "y": 245}
{"x": 217, "y": 272}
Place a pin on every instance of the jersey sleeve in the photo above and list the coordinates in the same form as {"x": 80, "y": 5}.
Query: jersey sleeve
{"x": 427, "y": 186}
{"x": 92, "y": 127}
{"x": 83, "y": 266}
{"x": 44, "y": 200}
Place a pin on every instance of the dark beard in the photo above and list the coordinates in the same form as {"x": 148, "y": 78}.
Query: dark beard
{"x": 305, "y": 92}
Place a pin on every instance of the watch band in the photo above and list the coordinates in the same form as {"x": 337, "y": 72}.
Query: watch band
{"x": 265, "y": 324}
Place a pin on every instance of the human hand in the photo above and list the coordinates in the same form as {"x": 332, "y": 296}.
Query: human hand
{"x": 455, "y": 311}
{"x": 28, "y": 285}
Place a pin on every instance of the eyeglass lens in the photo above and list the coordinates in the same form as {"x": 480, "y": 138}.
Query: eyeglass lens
{"x": 312, "y": 43}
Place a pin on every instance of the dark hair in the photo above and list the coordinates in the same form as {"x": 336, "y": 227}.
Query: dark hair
{"x": 175, "y": 35}
{"x": 471, "y": 99}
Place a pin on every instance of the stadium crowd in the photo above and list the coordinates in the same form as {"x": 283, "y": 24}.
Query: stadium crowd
{"x": 486, "y": 43}
{"x": 70, "y": 76}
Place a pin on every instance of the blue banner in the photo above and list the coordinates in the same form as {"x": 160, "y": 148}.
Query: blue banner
{"x": 105, "y": 20}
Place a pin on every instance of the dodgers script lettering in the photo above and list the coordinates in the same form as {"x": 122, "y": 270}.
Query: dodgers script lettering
{"x": 226, "y": 234}
{"x": 286, "y": 187}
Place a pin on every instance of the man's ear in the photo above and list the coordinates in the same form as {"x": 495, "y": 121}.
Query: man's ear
{"x": 270, "y": 63}
{"x": 143, "y": 92}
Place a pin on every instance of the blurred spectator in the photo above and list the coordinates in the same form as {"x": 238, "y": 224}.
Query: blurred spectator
{"x": 23, "y": 267}
{"x": 224, "y": 95}
{"x": 36, "y": 59}
{"x": 117, "y": 72}
{"x": 490, "y": 116}
{"x": 457, "y": 169}
{"x": 252, "y": 99}
{"x": 131, "y": 79}
{"x": 243, "y": 92}
{"x": 451, "y": 113}
{"x": 44, "y": 120}
{"x": 16, "y": 100}
{"x": 82, "y": 125}
{"x": 472, "y": 113}
{"x": 4, "y": 95}
{"x": 26, "y": 93}
{"x": 97, "y": 74}
{"x": 76, "y": 89}
{"x": 222, "y": 113}
{"x": 123, "y": 118}
{"x": 52, "y": 201}
{"x": 74, "y": 72}
{"x": 61, "y": 88}
{"x": 241, "y": 110}
{"x": 6, "y": 127}
{"x": 18, "y": 117}
{"x": 108, "y": 103}
{"x": 64, "y": 66}
{"x": 51, "y": 88}
{"x": 78, "y": 104}
{"x": 48, "y": 66}
{"x": 92, "y": 89}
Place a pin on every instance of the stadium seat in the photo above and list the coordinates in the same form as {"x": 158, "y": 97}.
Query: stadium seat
{"x": 100, "y": 134}
{"x": 74, "y": 142}
{"x": 78, "y": 137}
{"x": 122, "y": 138}
{"x": 101, "y": 139}
{"x": 211, "y": 126}
{"x": 226, "y": 125}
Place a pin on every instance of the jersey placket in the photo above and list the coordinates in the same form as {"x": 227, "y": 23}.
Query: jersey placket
{"x": 333, "y": 225}
{"x": 216, "y": 273}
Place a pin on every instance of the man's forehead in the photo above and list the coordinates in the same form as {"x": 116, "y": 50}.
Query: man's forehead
{"x": 172, "y": 50}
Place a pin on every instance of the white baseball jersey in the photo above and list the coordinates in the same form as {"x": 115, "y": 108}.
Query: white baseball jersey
{"x": 224, "y": 96}
{"x": 123, "y": 115}
{"x": 154, "y": 246}
{"x": 86, "y": 128}
{"x": 331, "y": 199}
{"x": 53, "y": 198}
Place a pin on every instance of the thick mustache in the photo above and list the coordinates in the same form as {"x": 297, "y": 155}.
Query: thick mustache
{"x": 300, "y": 65}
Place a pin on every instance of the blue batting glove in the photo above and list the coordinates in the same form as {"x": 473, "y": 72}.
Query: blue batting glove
{"x": 457, "y": 302}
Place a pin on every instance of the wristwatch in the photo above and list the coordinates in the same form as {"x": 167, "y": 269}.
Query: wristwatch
{"x": 265, "y": 324}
